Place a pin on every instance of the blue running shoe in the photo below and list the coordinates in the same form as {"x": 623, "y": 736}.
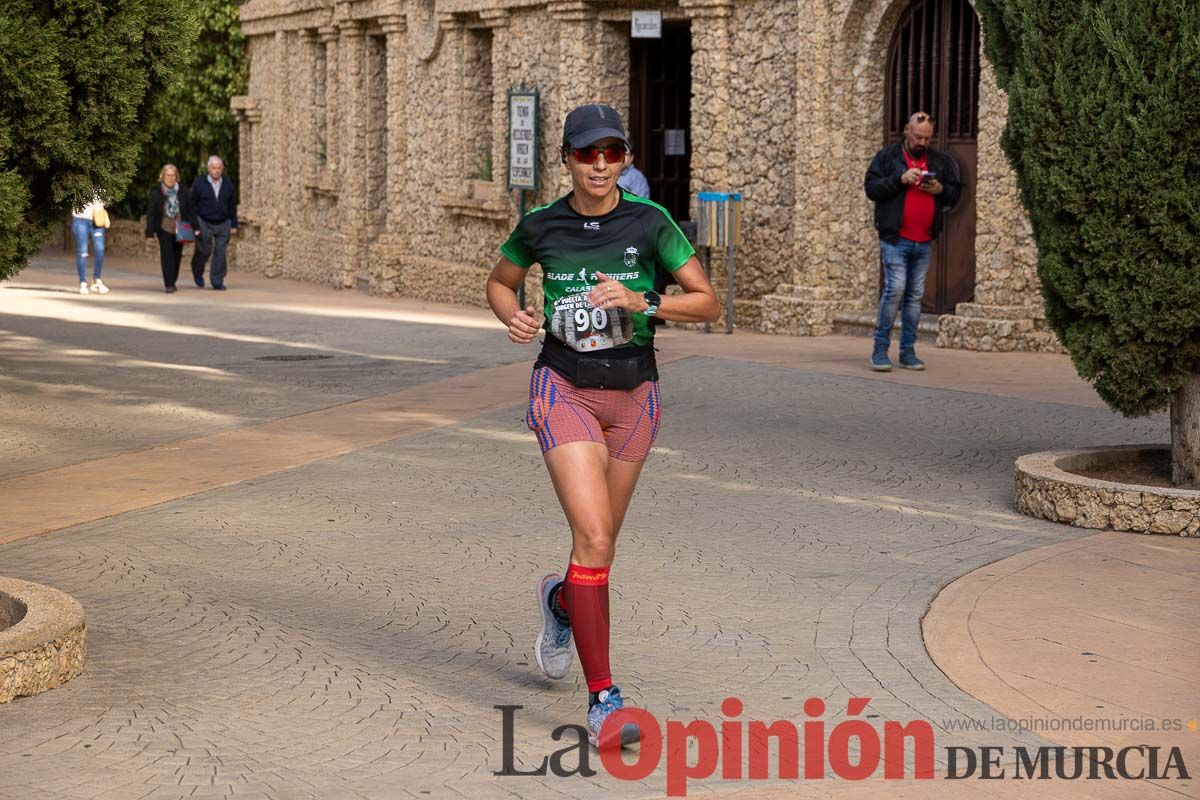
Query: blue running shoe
{"x": 909, "y": 360}
{"x": 552, "y": 650}
{"x": 609, "y": 701}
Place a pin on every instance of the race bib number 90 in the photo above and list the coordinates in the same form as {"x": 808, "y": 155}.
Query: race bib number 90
{"x": 583, "y": 327}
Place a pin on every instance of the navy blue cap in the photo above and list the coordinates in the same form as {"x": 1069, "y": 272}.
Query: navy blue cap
{"x": 589, "y": 124}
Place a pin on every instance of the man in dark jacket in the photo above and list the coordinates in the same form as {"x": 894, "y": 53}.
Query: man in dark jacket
{"x": 214, "y": 202}
{"x": 912, "y": 186}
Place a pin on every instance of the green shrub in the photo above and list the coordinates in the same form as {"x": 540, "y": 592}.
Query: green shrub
{"x": 191, "y": 119}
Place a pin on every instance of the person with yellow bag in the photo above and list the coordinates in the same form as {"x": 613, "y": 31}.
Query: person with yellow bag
{"x": 89, "y": 224}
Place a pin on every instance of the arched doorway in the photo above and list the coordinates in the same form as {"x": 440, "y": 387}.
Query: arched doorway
{"x": 933, "y": 66}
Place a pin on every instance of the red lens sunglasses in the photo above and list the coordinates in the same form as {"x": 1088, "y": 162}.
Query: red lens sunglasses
{"x": 588, "y": 155}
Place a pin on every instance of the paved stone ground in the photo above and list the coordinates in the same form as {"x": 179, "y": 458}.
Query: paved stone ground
{"x": 345, "y": 628}
{"x": 139, "y": 367}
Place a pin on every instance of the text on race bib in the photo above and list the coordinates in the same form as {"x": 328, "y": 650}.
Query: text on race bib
{"x": 584, "y": 328}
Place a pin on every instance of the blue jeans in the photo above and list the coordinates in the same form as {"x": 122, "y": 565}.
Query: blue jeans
{"x": 84, "y": 231}
{"x": 905, "y": 265}
{"x": 212, "y": 238}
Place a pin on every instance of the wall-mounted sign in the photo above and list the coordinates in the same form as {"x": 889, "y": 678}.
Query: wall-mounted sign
{"x": 675, "y": 142}
{"x": 523, "y": 139}
{"x": 646, "y": 25}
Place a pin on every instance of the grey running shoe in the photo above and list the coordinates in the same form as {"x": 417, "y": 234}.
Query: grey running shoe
{"x": 609, "y": 702}
{"x": 553, "y": 649}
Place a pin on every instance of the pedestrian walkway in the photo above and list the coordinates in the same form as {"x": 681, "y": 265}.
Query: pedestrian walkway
{"x": 313, "y": 578}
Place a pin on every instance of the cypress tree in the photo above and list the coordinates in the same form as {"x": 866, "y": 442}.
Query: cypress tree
{"x": 75, "y": 76}
{"x": 1104, "y": 135}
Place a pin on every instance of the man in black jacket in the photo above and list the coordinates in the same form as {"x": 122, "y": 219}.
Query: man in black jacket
{"x": 912, "y": 186}
{"x": 214, "y": 202}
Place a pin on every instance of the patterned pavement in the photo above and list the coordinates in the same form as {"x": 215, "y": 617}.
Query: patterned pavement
{"x": 344, "y": 629}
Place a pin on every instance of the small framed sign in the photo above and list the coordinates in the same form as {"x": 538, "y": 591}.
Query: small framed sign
{"x": 523, "y": 139}
{"x": 646, "y": 25}
{"x": 675, "y": 142}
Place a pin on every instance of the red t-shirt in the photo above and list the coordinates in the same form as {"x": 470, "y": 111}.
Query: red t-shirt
{"x": 919, "y": 207}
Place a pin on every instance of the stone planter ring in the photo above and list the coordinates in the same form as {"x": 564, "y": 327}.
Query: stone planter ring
{"x": 1048, "y": 486}
{"x": 42, "y": 638}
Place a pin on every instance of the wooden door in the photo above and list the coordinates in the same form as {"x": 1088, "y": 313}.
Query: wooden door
{"x": 660, "y": 96}
{"x": 933, "y": 66}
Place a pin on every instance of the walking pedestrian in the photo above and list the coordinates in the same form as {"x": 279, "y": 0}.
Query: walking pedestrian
{"x": 89, "y": 228}
{"x": 169, "y": 220}
{"x": 214, "y": 203}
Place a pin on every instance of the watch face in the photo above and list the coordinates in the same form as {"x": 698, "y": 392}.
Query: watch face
{"x": 652, "y": 298}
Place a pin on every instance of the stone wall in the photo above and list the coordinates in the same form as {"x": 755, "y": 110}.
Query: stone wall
{"x": 374, "y": 147}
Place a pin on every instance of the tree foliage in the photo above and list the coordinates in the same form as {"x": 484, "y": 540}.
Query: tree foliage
{"x": 75, "y": 78}
{"x": 1104, "y": 135}
{"x": 190, "y": 119}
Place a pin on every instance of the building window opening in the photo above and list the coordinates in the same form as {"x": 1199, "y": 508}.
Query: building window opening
{"x": 320, "y": 147}
{"x": 477, "y": 106}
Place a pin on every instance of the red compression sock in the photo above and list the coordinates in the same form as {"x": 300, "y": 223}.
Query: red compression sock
{"x": 586, "y": 593}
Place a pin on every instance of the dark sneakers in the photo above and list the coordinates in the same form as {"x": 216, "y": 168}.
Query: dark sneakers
{"x": 879, "y": 359}
{"x": 909, "y": 360}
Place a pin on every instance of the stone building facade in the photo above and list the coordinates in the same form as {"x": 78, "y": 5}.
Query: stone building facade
{"x": 374, "y": 147}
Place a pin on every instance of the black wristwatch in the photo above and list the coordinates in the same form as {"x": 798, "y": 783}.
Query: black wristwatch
{"x": 653, "y": 300}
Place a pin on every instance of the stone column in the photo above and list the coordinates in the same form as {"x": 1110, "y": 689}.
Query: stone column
{"x": 248, "y": 114}
{"x": 387, "y": 252}
{"x": 395, "y": 28}
{"x": 822, "y": 284}
{"x": 248, "y": 250}
{"x": 329, "y": 36}
{"x": 711, "y": 68}
{"x": 352, "y": 162}
{"x": 498, "y": 21}
{"x": 307, "y": 129}
{"x": 579, "y": 59}
{"x": 279, "y": 131}
{"x": 709, "y": 134}
{"x": 449, "y": 66}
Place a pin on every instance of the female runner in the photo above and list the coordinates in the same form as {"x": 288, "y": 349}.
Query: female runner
{"x": 594, "y": 400}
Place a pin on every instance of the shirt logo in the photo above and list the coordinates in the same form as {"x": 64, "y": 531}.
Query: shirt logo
{"x": 591, "y": 226}
{"x": 583, "y": 274}
{"x": 631, "y": 256}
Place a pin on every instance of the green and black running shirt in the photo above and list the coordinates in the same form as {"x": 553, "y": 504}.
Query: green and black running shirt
{"x": 628, "y": 244}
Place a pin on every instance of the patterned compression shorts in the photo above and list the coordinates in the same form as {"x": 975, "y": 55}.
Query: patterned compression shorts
{"x": 624, "y": 420}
